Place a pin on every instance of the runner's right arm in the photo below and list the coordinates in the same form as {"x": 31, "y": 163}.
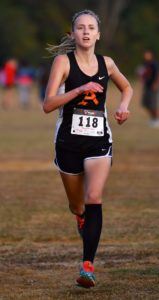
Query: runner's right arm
{"x": 58, "y": 75}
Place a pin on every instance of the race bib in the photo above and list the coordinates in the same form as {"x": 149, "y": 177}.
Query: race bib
{"x": 87, "y": 122}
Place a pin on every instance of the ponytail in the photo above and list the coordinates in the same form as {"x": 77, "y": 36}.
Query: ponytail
{"x": 67, "y": 45}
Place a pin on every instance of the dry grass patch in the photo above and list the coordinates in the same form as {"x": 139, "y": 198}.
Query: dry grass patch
{"x": 40, "y": 250}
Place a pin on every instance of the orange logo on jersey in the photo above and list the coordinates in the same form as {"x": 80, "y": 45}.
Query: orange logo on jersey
{"x": 89, "y": 96}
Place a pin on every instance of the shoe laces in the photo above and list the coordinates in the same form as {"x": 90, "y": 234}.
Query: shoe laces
{"x": 88, "y": 266}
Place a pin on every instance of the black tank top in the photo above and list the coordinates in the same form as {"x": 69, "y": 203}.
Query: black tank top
{"x": 88, "y": 101}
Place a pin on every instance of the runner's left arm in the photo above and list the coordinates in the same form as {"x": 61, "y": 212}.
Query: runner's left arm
{"x": 125, "y": 88}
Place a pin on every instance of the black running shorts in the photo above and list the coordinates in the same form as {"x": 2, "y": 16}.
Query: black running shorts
{"x": 72, "y": 162}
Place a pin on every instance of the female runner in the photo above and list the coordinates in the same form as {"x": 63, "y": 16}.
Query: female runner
{"x": 83, "y": 139}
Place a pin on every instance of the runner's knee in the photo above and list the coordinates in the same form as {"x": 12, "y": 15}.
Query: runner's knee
{"x": 76, "y": 209}
{"x": 93, "y": 197}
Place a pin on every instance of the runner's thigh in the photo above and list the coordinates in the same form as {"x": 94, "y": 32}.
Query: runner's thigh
{"x": 96, "y": 174}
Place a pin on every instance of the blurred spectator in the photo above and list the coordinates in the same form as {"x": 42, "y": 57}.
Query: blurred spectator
{"x": 42, "y": 78}
{"x": 2, "y": 77}
{"x": 8, "y": 78}
{"x": 10, "y": 69}
{"x": 149, "y": 74}
{"x": 24, "y": 80}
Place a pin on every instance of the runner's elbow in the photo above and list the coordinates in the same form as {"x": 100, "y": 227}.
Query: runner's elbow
{"x": 130, "y": 89}
{"x": 47, "y": 107}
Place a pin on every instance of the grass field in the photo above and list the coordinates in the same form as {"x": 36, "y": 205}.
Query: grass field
{"x": 40, "y": 250}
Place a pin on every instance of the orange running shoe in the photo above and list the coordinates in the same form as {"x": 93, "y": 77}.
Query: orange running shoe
{"x": 87, "y": 277}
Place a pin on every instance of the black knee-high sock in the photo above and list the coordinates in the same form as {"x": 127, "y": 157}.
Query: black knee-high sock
{"x": 92, "y": 230}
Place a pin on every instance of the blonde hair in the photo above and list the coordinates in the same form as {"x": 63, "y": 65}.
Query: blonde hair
{"x": 67, "y": 42}
{"x": 85, "y": 12}
{"x": 67, "y": 45}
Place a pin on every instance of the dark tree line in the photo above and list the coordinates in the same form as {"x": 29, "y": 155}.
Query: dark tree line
{"x": 128, "y": 27}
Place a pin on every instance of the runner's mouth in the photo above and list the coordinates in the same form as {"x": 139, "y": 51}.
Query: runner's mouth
{"x": 86, "y": 39}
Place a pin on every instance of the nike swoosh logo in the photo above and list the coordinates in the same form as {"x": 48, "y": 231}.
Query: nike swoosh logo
{"x": 100, "y": 78}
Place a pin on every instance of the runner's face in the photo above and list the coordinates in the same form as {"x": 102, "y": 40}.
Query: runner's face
{"x": 86, "y": 31}
{"x": 148, "y": 56}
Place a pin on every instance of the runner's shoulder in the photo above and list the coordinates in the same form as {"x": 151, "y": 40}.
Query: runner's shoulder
{"x": 61, "y": 64}
{"x": 61, "y": 59}
{"x": 110, "y": 64}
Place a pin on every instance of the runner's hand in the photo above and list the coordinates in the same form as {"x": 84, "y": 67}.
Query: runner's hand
{"x": 90, "y": 86}
{"x": 121, "y": 115}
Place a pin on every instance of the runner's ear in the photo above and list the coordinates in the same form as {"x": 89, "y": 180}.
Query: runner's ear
{"x": 98, "y": 37}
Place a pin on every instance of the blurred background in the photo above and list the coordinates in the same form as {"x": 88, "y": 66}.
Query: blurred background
{"x": 128, "y": 27}
{"x": 37, "y": 233}
{"x": 27, "y": 26}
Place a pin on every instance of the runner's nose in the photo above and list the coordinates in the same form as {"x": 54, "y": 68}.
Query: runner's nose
{"x": 86, "y": 31}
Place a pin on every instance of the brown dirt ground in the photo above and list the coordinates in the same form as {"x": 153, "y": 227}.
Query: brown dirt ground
{"x": 40, "y": 251}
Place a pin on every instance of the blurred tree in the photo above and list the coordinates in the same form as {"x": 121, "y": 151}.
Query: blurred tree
{"x": 138, "y": 30}
{"x": 18, "y": 33}
{"x": 128, "y": 27}
{"x": 110, "y": 12}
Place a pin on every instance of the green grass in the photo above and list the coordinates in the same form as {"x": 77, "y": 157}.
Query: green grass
{"x": 40, "y": 250}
